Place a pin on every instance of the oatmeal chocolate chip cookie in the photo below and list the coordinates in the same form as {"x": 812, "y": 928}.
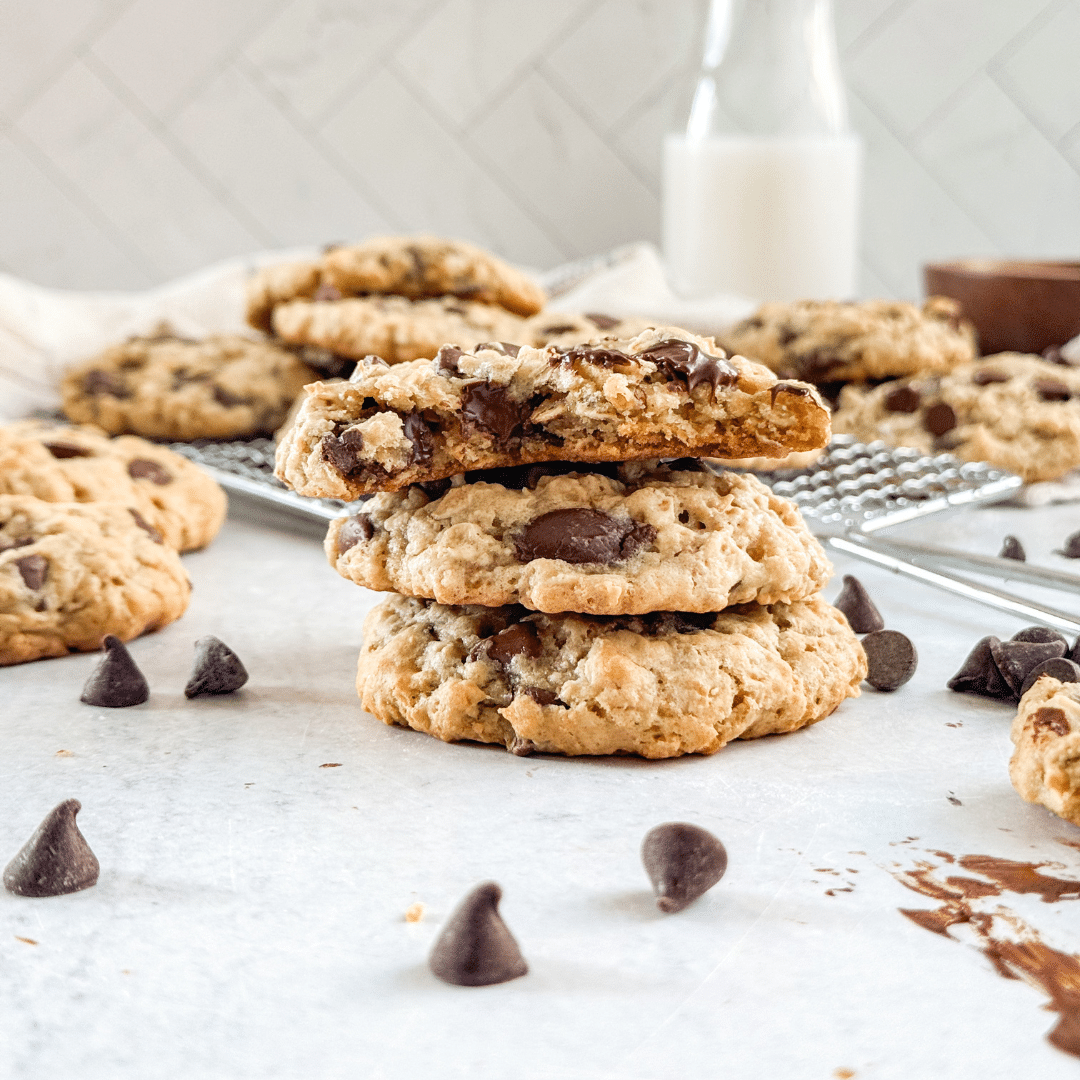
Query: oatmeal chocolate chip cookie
{"x": 616, "y": 540}
{"x": 665, "y": 393}
{"x": 166, "y": 387}
{"x": 65, "y": 463}
{"x": 1018, "y": 412}
{"x": 657, "y": 685}
{"x": 562, "y": 330}
{"x": 393, "y": 327}
{"x": 802, "y": 459}
{"x": 1045, "y": 765}
{"x": 417, "y": 267}
{"x": 70, "y": 573}
{"x": 825, "y": 341}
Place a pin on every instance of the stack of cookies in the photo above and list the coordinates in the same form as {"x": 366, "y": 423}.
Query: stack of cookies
{"x": 569, "y": 577}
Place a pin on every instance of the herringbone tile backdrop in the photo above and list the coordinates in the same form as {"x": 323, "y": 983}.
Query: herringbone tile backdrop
{"x": 141, "y": 139}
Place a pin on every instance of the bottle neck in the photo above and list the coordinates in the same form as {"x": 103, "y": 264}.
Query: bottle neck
{"x": 770, "y": 68}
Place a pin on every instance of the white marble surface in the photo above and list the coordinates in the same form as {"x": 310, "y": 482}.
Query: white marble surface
{"x": 249, "y": 917}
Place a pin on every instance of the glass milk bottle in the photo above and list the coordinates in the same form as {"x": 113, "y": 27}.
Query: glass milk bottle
{"x": 761, "y": 195}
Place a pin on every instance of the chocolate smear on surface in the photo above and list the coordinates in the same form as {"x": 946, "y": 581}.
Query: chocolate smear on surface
{"x": 153, "y": 533}
{"x": 67, "y": 450}
{"x": 519, "y": 639}
{"x": 475, "y": 948}
{"x": 34, "y": 570}
{"x": 939, "y": 418}
{"x": 56, "y": 859}
{"x": 855, "y": 603}
{"x": 143, "y": 469}
{"x": 591, "y": 355}
{"x": 904, "y": 399}
{"x": 683, "y": 861}
{"x": 117, "y": 681}
{"x": 683, "y": 359}
{"x": 1058, "y": 667}
{"x": 891, "y": 658}
{"x": 1014, "y": 659}
{"x": 1011, "y": 548}
{"x": 419, "y": 434}
{"x": 490, "y": 407}
{"x": 580, "y": 535}
{"x": 356, "y": 528}
{"x": 104, "y": 382}
{"x": 343, "y": 451}
{"x": 1071, "y": 550}
{"x": 973, "y": 673}
{"x": 217, "y": 669}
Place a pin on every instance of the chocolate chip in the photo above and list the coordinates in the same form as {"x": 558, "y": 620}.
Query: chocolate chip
{"x": 356, "y": 528}
{"x": 490, "y": 407}
{"x": 1011, "y": 548}
{"x": 419, "y": 434}
{"x": 542, "y": 696}
{"x": 996, "y": 686}
{"x": 435, "y": 489}
{"x": 142, "y": 469}
{"x": 146, "y": 527}
{"x": 904, "y": 399}
{"x": 1071, "y": 550}
{"x": 116, "y": 682}
{"x": 855, "y": 603}
{"x": 892, "y": 659}
{"x": 686, "y": 360}
{"x": 34, "y": 570}
{"x": 104, "y": 382}
{"x": 343, "y": 451}
{"x": 985, "y": 376}
{"x": 520, "y": 747}
{"x": 517, "y": 640}
{"x": 6, "y": 543}
{"x": 602, "y": 322}
{"x": 973, "y": 673}
{"x": 1052, "y": 719}
{"x": 581, "y": 536}
{"x": 560, "y": 328}
{"x": 228, "y": 399}
{"x": 1052, "y": 390}
{"x": 67, "y": 450}
{"x": 683, "y": 861}
{"x": 787, "y": 388}
{"x": 475, "y": 948}
{"x": 327, "y": 292}
{"x": 939, "y": 418}
{"x": 217, "y": 669}
{"x": 56, "y": 860}
{"x": 1014, "y": 659}
{"x": 1041, "y": 634}
{"x": 1057, "y": 667}
{"x": 785, "y": 335}
{"x": 446, "y": 361}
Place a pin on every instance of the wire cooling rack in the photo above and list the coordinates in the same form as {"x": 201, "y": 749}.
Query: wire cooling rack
{"x": 865, "y": 486}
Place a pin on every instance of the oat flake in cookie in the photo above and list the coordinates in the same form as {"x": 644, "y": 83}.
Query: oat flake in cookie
{"x": 657, "y": 685}
{"x": 604, "y": 540}
{"x": 665, "y": 393}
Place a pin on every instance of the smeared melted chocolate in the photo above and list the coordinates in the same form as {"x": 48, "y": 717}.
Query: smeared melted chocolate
{"x": 787, "y": 388}
{"x": 580, "y": 535}
{"x": 419, "y": 434}
{"x": 143, "y": 469}
{"x": 490, "y": 407}
{"x": 685, "y": 360}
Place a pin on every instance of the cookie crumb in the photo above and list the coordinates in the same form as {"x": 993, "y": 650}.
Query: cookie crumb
{"x": 330, "y": 765}
{"x": 27, "y": 940}
{"x": 843, "y": 1074}
{"x": 63, "y": 753}
{"x": 415, "y": 912}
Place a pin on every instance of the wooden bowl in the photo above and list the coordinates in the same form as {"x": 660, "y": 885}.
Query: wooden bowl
{"x": 1015, "y": 305}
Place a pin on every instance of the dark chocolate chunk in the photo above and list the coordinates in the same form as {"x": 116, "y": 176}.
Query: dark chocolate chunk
{"x": 855, "y": 603}
{"x": 591, "y": 355}
{"x": 787, "y": 388}
{"x": 228, "y": 399}
{"x": 446, "y": 361}
{"x": 683, "y": 861}
{"x": 475, "y": 948}
{"x": 217, "y": 669}
{"x": 1052, "y": 390}
{"x": 1041, "y": 634}
{"x": 34, "y": 570}
{"x": 602, "y": 322}
{"x": 1071, "y": 550}
{"x": 66, "y": 450}
{"x": 419, "y": 434}
{"x": 521, "y": 747}
{"x": 1014, "y": 659}
{"x": 973, "y": 673}
{"x": 521, "y": 638}
{"x": 542, "y": 696}
{"x": 510, "y": 348}
{"x": 582, "y": 536}
{"x": 1057, "y": 667}
{"x": 558, "y": 328}
{"x": 490, "y": 407}
{"x": 1011, "y": 548}
{"x": 104, "y": 382}
{"x": 892, "y": 659}
{"x": 356, "y": 528}
{"x": 116, "y": 682}
{"x": 56, "y": 859}
{"x": 142, "y": 469}
{"x": 146, "y": 527}
{"x": 685, "y": 360}
{"x": 904, "y": 399}
{"x": 985, "y": 376}
{"x": 435, "y": 489}
{"x": 939, "y": 418}
{"x": 1052, "y": 719}
{"x": 327, "y": 292}
{"x": 343, "y": 451}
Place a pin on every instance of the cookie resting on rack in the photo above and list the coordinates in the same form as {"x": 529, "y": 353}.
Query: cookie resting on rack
{"x": 72, "y": 573}
{"x": 602, "y": 539}
{"x": 664, "y": 393}
{"x": 656, "y": 685}
{"x": 67, "y": 463}
{"x": 1015, "y": 411}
